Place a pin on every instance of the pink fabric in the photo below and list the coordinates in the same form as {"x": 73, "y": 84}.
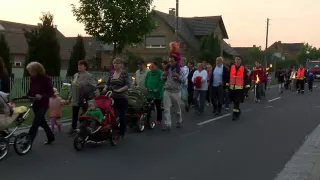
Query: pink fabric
{"x": 55, "y": 106}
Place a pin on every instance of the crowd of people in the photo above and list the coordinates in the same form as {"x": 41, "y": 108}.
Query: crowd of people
{"x": 174, "y": 85}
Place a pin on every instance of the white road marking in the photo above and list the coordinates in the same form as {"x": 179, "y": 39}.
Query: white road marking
{"x": 274, "y": 99}
{"x": 268, "y": 107}
{"x": 214, "y": 119}
{"x": 220, "y": 117}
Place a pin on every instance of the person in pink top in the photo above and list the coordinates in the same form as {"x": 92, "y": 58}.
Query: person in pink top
{"x": 55, "y": 109}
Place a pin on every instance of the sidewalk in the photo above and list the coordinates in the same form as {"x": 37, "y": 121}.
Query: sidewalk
{"x": 305, "y": 163}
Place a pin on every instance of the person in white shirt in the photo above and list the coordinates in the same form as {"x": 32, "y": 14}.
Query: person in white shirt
{"x": 184, "y": 89}
{"x": 199, "y": 93}
{"x": 141, "y": 74}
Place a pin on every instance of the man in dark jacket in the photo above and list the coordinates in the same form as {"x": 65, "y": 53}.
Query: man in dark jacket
{"x": 218, "y": 83}
{"x": 190, "y": 85}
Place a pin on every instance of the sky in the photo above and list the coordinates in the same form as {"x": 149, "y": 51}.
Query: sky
{"x": 245, "y": 20}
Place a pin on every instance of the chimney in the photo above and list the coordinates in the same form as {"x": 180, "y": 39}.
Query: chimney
{"x": 254, "y": 46}
{"x": 172, "y": 11}
{"x": 279, "y": 42}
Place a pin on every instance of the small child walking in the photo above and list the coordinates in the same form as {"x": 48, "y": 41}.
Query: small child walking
{"x": 55, "y": 109}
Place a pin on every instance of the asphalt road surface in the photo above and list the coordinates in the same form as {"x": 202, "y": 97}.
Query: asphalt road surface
{"x": 255, "y": 148}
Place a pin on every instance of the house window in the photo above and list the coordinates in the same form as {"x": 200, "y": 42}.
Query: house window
{"x": 17, "y": 64}
{"x": 155, "y": 42}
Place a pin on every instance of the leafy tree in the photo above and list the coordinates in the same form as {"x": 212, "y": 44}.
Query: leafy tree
{"x": 116, "y": 22}
{"x": 78, "y": 53}
{"x": 5, "y": 53}
{"x": 307, "y": 51}
{"x": 43, "y": 46}
{"x": 255, "y": 54}
{"x": 131, "y": 61}
{"x": 209, "y": 48}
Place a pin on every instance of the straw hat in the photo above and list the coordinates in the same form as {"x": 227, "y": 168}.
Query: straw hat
{"x": 55, "y": 91}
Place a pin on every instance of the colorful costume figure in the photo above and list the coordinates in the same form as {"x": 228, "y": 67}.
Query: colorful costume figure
{"x": 174, "y": 53}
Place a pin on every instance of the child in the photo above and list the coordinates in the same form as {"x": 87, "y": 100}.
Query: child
{"x": 174, "y": 52}
{"x": 55, "y": 109}
{"x": 94, "y": 112}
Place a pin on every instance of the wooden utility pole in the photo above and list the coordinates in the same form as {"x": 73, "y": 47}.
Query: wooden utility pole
{"x": 177, "y": 20}
{"x": 267, "y": 37}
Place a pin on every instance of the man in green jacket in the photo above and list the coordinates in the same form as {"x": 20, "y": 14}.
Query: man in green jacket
{"x": 154, "y": 85}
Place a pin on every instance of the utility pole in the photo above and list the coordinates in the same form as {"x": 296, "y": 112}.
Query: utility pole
{"x": 267, "y": 37}
{"x": 177, "y": 20}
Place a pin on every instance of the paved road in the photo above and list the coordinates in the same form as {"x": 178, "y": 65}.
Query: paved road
{"x": 255, "y": 148}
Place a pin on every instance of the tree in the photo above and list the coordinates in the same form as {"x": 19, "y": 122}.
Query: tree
{"x": 210, "y": 48}
{"x": 306, "y": 52}
{"x": 131, "y": 61}
{"x": 78, "y": 53}
{"x": 116, "y": 22}
{"x": 5, "y": 53}
{"x": 43, "y": 46}
{"x": 255, "y": 54}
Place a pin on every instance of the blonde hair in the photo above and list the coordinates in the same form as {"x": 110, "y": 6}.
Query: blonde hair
{"x": 37, "y": 68}
{"x": 118, "y": 60}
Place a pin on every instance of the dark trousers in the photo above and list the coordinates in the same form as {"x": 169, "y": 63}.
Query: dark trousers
{"x": 310, "y": 84}
{"x": 159, "y": 109}
{"x": 121, "y": 105}
{"x": 300, "y": 85}
{"x": 190, "y": 95}
{"x": 39, "y": 120}
{"x": 75, "y": 116}
{"x": 236, "y": 109}
{"x": 217, "y": 95}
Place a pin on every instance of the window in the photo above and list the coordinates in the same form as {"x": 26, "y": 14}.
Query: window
{"x": 17, "y": 64}
{"x": 155, "y": 42}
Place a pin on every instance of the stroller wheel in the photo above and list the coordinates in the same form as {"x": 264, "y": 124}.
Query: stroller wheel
{"x": 22, "y": 144}
{"x": 4, "y": 147}
{"x": 78, "y": 142}
{"x": 114, "y": 137}
{"x": 141, "y": 123}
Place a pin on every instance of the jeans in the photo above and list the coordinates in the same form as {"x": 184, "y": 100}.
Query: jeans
{"x": 260, "y": 90}
{"x": 217, "y": 94}
{"x": 184, "y": 94}
{"x": 39, "y": 120}
{"x": 310, "y": 84}
{"x": 190, "y": 95}
{"x": 169, "y": 99}
{"x": 199, "y": 104}
{"x": 300, "y": 85}
{"x": 75, "y": 116}
{"x": 121, "y": 105}
{"x": 157, "y": 102}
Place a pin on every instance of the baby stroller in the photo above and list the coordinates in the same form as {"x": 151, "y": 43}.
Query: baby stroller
{"x": 105, "y": 131}
{"x": 139, "y": 109}
{"x": 21, "y": 142}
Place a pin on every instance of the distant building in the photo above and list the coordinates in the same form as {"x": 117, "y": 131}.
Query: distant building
{"x": 288, "y": 50}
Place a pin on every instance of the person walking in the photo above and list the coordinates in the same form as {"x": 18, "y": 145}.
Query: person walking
{"x": 280, "y": 77}
{"x": 301, "y": 74}
{"x": 154, "y": 85}
{"x": 238, "y": 81}
{"x": 190, "y": 85}
{"x": 172, "y": 94}
{"x": 200, "y": 83}
{"x": 258, "y": 77}
{"x": 119, "y": 83}
{"x": 218, "y": 84}
{"x": 310, "y": 79}
{"x": 184, "y": 88}
{"x": 41, "y": 88}
{"x": 208, "y": 94}
{"x": 141, "y": 74}
{"x": 83, "y": 89}
{"x": 4, "y": 78}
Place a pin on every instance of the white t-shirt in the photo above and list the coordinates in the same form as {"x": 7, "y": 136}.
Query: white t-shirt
{"x": 204, "y": 82}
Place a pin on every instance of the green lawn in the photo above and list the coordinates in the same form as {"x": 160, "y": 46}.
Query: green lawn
{"x": 66, "y": 112}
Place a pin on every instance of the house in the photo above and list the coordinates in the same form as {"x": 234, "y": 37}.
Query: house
{"x": 190, "y": 32}
{"x": 14, "y": 34}
{"x": 288, "y": 50}
{"x": 94, "y": 49}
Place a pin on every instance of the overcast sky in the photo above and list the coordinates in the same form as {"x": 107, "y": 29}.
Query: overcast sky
{"x": 245, "y": 20}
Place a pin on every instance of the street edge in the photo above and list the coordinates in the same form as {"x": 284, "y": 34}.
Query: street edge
{"x": 301, "y": 164}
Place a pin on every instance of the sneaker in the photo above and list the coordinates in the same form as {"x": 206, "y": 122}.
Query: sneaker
{"x": 72, "y": 132}
{"x": 178, "y": 125}
{"x": 166, "y": 128}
